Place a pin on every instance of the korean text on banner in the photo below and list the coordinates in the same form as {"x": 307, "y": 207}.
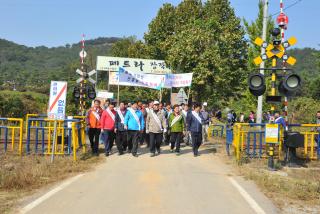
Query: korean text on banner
{"x": 57, "y": 100}
{"x": 106, "y": 63}
{"x": 178, "y": 80}
{"x": 129, "y": 78}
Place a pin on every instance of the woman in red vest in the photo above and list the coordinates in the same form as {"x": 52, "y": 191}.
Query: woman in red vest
{"x": 107, "y": 126}
{"x": 93, "y": 123}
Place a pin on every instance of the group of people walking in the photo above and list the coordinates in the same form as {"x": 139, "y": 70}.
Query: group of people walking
{"x": 129, "y": 125}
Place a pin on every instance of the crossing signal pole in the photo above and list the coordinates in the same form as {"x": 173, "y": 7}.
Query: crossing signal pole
{"x": 84, "y": 90}
{"x": 289, "y": 81}
{"x": 264, "y": 37}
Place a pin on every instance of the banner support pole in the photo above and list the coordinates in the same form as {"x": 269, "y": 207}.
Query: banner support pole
{"x": 189, "y": 94}
{"x": 118, "y": 95}
{"x": 109, "y": 80}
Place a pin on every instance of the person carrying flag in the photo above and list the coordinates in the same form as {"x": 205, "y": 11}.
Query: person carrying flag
{"x": 176, "y": 125}
{"x": 121, "y": 133}
{"x": 107, "y": 126}
{"x": 134, "y": 124}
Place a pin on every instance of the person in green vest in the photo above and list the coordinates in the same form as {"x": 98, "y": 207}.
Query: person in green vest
{"x": 176, "y": 125}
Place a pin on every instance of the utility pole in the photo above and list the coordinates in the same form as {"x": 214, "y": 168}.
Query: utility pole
{"x": 262, "y": 65}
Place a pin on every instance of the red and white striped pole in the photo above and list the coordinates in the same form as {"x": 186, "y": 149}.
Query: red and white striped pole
{"x": 283, "y": 28}
{"x": 82, "y": 95}
{"x": 82, "y": 49}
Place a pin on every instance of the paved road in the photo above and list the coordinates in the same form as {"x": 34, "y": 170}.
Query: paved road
{"x": 163, "y": 184}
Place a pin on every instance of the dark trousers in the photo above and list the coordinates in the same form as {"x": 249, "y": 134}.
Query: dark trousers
{"x": 175, "y": 140}
{"x": 166, "y": 137}
{"x": 121, "y": 140}
{"x": 196, "y": 141}
{"x": 133, "y": 141}
{"x": 147, "y": 138}
{"x": 155, "y": 141}
{"x": 142, "y": 137}
{"x": 108, "y": 140}
{"x": 94, "y": 134}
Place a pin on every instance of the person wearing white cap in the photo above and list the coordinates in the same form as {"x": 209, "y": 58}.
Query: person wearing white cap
{"x": 155, "y": 126}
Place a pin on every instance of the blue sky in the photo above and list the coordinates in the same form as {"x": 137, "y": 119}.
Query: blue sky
{"x": 58, "y": 22}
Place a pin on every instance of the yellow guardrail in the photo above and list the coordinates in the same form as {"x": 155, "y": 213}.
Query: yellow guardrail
{"x": 311, "y": 148}
{"x": 10, "y": 125}
{"x": 249, "y": 140}
{"x": 72, "y": 130}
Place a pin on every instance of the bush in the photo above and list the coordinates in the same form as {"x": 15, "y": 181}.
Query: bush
{"x": 303, "y": 110}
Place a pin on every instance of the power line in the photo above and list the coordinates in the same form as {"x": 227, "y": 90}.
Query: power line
{"x": 289, "y": 6}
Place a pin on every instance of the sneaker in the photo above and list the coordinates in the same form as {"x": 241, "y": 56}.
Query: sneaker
{"x": 152, "y": 154}
{"x": 135, "y": 155}
{"x": 107, "y": 154}
{"x": 177, "y": 153}
{"x": 171, "y": 150}
{"x": 158, "y": 152}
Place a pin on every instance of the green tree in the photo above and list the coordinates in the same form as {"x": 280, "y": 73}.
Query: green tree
{"x": 212, "y": 46}
{"x": 160, "y": 28}
{"x": 247, "y": 101}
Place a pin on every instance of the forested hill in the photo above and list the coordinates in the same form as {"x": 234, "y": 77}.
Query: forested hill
{"x": 306, "y": 61}
{"x": 32, "y": 69}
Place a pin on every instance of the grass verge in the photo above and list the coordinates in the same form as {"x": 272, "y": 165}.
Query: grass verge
{"x": 292, "y": 190}
{"x": 20, "y": 176}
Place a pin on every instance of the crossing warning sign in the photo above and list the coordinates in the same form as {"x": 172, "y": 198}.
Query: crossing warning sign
{"x": 57, "y": 100}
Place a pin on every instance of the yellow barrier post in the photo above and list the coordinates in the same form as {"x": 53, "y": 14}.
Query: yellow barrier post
{"x": 74, "y": 141}
{"x": 21, "y": 136}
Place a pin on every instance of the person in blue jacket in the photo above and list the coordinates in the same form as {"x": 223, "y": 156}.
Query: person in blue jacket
{"x": 134, "y": 123}
{"x": 194, "y": 123}
{"x": 278, "y": 119}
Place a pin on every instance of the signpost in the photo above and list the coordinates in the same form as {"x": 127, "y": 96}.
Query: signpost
{"x": 57, "y": 107}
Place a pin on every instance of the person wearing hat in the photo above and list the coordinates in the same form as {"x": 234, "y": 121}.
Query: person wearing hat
{"x": 194, "y": 125}
{"x": 134, "y": 124}
{"x": 155, "y": 126}
{"x": 107, "y": 127}
{"x": 176, "y": 126}
{"x": 121, "y": 133}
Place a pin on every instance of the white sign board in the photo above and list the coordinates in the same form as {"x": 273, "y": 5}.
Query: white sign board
{"x": 106, "y": 63}
{"x": 272, "y": 133}
{"x": 57, "y": 100}
{"x": 178, "y": 80}
{"x": 155, "y": 81}
{"x": 104, "y": 94}
{"x": 129, "y": 78}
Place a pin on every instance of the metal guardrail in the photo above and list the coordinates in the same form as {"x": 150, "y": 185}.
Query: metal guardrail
{"x": 248, "y": 140}
{"x": 217, "y": 130}
{"x": 10, "y": 125}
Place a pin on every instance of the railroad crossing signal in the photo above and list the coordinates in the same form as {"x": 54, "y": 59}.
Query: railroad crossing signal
{"x": 276, "y": 49}
{"x": 84, "y": 75}
{"x": 289, "y": 81}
